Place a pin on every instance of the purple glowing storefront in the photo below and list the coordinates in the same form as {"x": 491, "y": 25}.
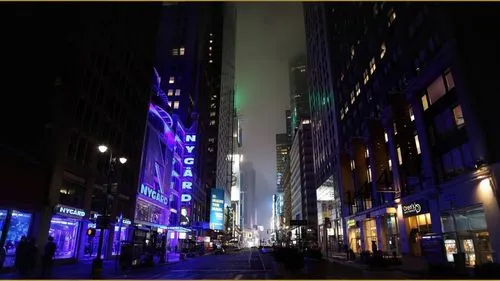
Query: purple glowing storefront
{"x": 65, "y": 227}
{"x": 18, "y": 227}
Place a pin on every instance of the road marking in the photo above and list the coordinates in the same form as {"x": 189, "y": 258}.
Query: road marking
{"x": 238, "y": 277}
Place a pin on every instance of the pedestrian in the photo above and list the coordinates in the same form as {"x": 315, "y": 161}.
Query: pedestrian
{"x": 48, "y": 257}
{"x": 31, "y": 256}
{"x": 20, "y": 261}
{"x": 176, "y": 248}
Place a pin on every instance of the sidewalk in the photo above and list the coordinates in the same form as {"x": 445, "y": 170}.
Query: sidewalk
{"x": 110, "y": 270}
{"x": 395, "y": 272}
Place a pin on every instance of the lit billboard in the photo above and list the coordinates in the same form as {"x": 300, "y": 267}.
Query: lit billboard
{"x": 217, "y": 209}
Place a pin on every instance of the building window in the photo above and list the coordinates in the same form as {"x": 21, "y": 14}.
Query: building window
{"x": 417, "y": 144}
{"x": 390, "y": 165}
{"x": 450, "y": 83}
{"x": 171, "y": 80}
{"x": 358, "y": 90}
{"x": 386, "y": 137}
{"x": 170, "y": 92}
{"x": 369, "y": 173}
{"x": 211, "y": 41}
{"x": 425, "y": 102}
{"x": 459, "y": 117}
{"x": 353, "y": 97}
{"x": 382, "y": 50}
{"x": 412, "y": 116}
{"x": 373, "y": 66}
{"x": 182, "y": 50}
{"x": 212, "y": 105}
{"x": 211, "y": 149}
{"x": 367, "y": 153}
{"x": 366, "y": 77}
{"x": 210, "y": 48}
{"x": 352, "y": 52}
{"x": 212, "y": 123}
{"x": 341, "y": 76}
{"x": 176, "y": 104}
{"x": 212, "y": 114}
{"x": 211, "y": 140}
{"x": 175, "y": 52}
{"x": 177, "y": 92}
{"x": 392, "y": 17}
{"x": 400, "y": 156}
{"x": 353, "y": 165}
{"x": 211, "y": 61}
{"x": 170, "y": 104}
{"x": 395, "y": 128}
{"x": 436, "y": 90}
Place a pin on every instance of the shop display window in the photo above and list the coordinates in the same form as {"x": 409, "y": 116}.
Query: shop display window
{"x": 65, "y": 233}
{"x": 370, "y": 230}
{"x": 19, "y": 227}
{"x": 92, "y": 244}
{"x": 118, "y": 237}
{"x": 3, "y": 215}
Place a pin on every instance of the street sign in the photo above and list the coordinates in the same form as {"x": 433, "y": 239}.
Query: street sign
{"x": 298, "y": 222}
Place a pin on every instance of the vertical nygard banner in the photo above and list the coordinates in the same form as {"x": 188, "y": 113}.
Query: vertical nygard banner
{"x": 188, "y": 166}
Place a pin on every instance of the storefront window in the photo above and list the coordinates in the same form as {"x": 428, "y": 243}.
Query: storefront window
{"x": 3, "y": 215}
{"x": 19, "y": 227}
{"x": 118, "y": 237}
{"x": 370, "y": 231}
{"x": 65, "y": 233}
{"x": 92, "y": 243}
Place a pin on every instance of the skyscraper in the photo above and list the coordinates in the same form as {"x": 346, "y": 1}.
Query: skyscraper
{"x": 282, "y": 150}
{"x": 299, "y": 94}
{"x": 226, "y": 102}
{"x": 92, "y": 87}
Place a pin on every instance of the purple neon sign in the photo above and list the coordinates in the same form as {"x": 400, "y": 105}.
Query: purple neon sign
{"x": 188, "y": 165}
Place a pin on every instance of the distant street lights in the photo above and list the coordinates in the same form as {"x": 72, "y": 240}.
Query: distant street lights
{"x": 103, "y": 221}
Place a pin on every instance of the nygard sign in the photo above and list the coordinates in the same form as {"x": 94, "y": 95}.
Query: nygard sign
{"x": 187, "y": 174}
{"x": 151, "y": 193}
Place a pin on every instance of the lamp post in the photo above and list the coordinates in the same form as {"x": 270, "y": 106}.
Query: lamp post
{"x": 103, "y": 221}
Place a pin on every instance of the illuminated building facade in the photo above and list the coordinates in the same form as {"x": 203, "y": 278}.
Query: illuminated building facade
{"x": 57, "y": 179}
{"x": 282, "y": 150}
{"x": 418, "y": 159}
{"x": 299, "y": 95}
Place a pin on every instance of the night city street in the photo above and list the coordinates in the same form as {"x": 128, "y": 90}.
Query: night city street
{"x": 249, "y": 140}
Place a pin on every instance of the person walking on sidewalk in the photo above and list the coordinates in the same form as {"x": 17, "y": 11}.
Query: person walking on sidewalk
{"x": 31, "y": 256}
{"x": 48, "y": 257}
{"x": 21, "y": 263}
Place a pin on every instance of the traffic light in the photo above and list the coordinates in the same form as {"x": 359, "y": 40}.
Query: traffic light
{"x": 91, "y": 232}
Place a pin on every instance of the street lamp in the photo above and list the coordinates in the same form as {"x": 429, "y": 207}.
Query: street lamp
{"x": 104, "y": 219}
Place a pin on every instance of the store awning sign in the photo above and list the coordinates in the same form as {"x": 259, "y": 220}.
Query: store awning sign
{"x": 415, "y": 208}
{"x": 69, "y": 211}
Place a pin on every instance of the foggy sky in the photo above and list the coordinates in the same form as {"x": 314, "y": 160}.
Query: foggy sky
{"x": 268, "y": 36}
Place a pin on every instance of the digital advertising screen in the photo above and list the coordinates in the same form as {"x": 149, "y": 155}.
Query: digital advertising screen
{"x": 217, "y": 209}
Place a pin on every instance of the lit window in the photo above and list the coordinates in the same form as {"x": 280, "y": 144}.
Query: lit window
{"x": 170, "y": 93}
{"x": 382, "y": 51}
{"x": 182, "y": 50}
{"x": 392, "y": 16}
{"x": 395, "y": 128}
{"x": 171, "y": 80}
{"x": 210, "y": 61}
{"x": 213, "y": 97}
{"x": 369, "y": 174}
{"x": 346, "y": 109}
{"x": 386, "y": 137}
{"x": 459, "y": 117}
{"x": 177, "y": 92}
{"x": 366, "y": 77}
{"x": 400, "y": 156}
{"x": 390, "y": 164}
{"x": 358, "y": 91}
{"x": 353, "y": 97}
{"x": 210, "y": 48}
{"x": 176, "y": 104}
{"x": 450, "y": 83}
{"x": 175, "y": 52}
{"x": 211, "y": 34}
{"x": 212, "y": 123}
{"x": 305, "y": 122}
{"x": 212, "y": 105}
{"x": 341, "y": 76}
{"x": 352, "y": 52}
{"x": 425, "y": 103}
{"x": 170, "y": 104}
{"x": 212, "y": 114}
{"x": 210, "y": 149}
{"x": 367, "y": 153}
{"x": 436, "y": 90}
{"x": 373, "y": 66}
{"x": 353, "y": 165}
{"x": 211, "y": 41}
{"x": 417, "y": 144}
{"x": 211, "y": 140}
{"x": 412, "y": 116}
